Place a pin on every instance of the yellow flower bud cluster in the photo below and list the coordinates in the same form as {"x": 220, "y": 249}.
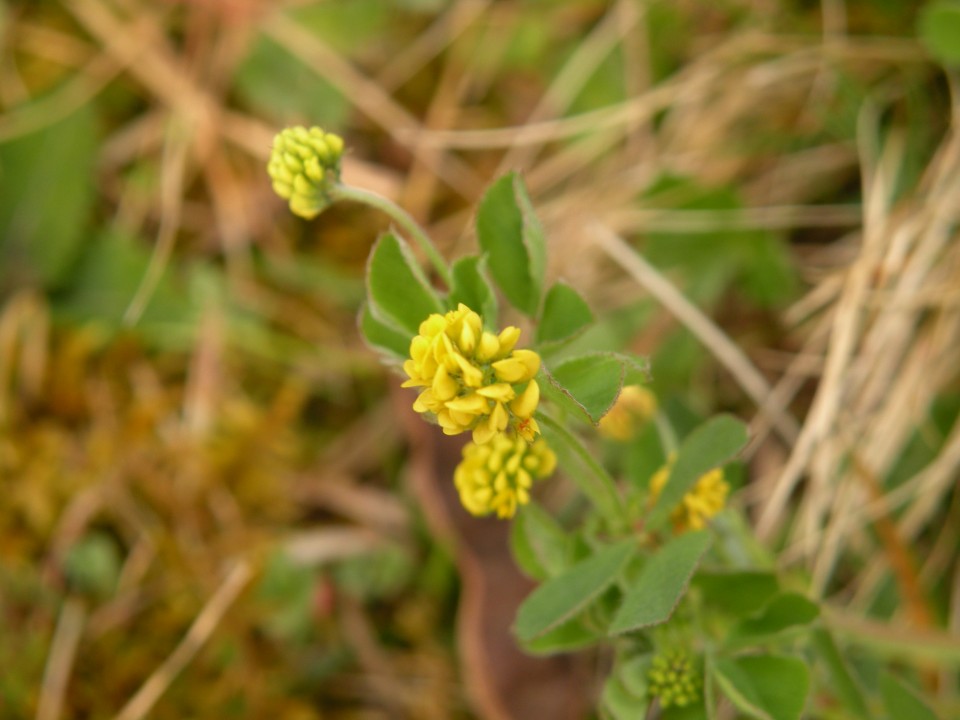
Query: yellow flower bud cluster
{"x": 473, "y": 379}
{"x": 304, "y": 165}
{"x": 635, "y": 406}
{"x": 701, "y": 503}
{"x": 496, "y": 477}
{"x": 673, "y": 679}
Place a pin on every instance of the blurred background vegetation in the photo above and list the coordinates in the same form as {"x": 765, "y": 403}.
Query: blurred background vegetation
{"x": 207, "y": 508}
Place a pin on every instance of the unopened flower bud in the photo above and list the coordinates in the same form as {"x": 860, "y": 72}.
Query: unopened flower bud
{"x": 304, "y": 165}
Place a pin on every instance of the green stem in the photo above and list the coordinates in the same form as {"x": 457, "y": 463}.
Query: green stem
{"x": 668, "y": 438}
{"x": 402, "y": 218}
{"x": 603, "y": 493}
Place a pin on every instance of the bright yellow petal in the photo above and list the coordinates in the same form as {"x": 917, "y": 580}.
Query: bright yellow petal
{"x": 526, "y": 403}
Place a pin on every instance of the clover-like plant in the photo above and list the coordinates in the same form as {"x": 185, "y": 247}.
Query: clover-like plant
{"x": 649, "y": 563}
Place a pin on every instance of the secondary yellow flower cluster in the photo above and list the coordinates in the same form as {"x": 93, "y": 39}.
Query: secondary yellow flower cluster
{"x": 673, "y": 679}
{"x": 701, "y": 503}
{"x": 304, "y": 165}
{"x": 496, "y": 477}
{"x": 635, "y": 406}
{"x": 473, "y": 379}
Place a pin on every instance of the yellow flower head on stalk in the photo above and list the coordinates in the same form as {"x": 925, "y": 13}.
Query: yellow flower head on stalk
{"x": 635, "y": 406}
{"x": 673, "y": 679}
{"x": 473, "y": 379}
{"x": 304, "y": 165}
{"x": 701, "y": 503}
{"x": 496, "y": 477}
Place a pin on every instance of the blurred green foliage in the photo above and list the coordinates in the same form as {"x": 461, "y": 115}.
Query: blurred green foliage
{"x": 136, "y": 459}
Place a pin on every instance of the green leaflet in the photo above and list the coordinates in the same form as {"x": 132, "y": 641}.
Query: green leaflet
{"x": 707, "y": 447}
{"x": 565, "y": 314}
{"x": 398, "y": 291}
{"x": 653, "y": 596}
{"x": 559, "y": 599}
{"x": 512, "y": 238}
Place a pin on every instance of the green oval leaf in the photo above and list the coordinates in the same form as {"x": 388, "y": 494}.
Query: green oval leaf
{"x": 655, "y": 593}
{"x": 538, "y": 542}
{"x": 570, "y": 636}
{"x": 382, "y": 337}
{"x": 709, "y": 446}
{"x": 590, "y": 384}
{"x": 512, "y": 237}
{"x": 471, "y": 287}
{"x": 901, "y": 701}
{"x": 737, "y": 593}
{"x": 840, "y": 675}
{"x": 559, "y": 599}
{"x": 48, "y": 179}
{"x": 784, "y": 611}
{"x": 621, "y": 704}
{"x": 398, "y": 291}
{"x": 565, "y": 314}
{"x": 768, "y": 687}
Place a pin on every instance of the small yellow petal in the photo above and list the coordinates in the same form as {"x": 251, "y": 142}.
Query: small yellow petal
{"x": 499, "y": 417}
{"x": 488, "y": 347}
{"x": 467, "y": 340}
{"x": 501, "y": 392}
{"x": 471, "y": 374}
{"x": 463, "y": 419}
{"x": 444, "y": 387}
{"x": 526, "y": 403}
{"x": 508, "y": 338}
{"x": 473, "y": 404}
{"x": 528, "y": 429}
{"x": 483, "y": 432}
{"x": 282, "y": 189}
{"x": 530, "y": 359}
{"x": 302, "y": 186}
{"x": 510, "y": 370}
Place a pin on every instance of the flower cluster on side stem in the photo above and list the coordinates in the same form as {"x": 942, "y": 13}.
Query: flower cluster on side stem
{"x": 704, "y": 500}
{"x": 304, "y": 165}
{"x": 673, "y": 679}
{"x": 635, "y": 406}
{"x": 473, "y": 379}
{"x": 496, "y": 477}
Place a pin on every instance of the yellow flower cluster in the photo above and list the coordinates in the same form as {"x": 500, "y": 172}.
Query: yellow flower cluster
{"x": 304, "y": 165}
{"x": 496, "y": 477}
{"x": 635, "y": 406}
{"x": 673, "y": 679}
{"x": 704, "y": 500}
{"x": 473, "y": 379}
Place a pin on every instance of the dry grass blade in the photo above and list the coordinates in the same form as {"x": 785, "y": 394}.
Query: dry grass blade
{"x": 844, "y": 333}
{"x": 754, "y": 218}
{"x": 431, "y": 42}
{"x": 49, "y": 109}
{"x": 571, "y": 78}
{"x": 722, "y": 347}
{"x": 200, "y": 631}
{"x": 63, "y": 650}
{"x": 171, "y": 205}
{"x": 894, "y": 348}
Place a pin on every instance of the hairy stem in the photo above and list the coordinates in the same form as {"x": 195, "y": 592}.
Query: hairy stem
{"x": 402, "y": 218}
